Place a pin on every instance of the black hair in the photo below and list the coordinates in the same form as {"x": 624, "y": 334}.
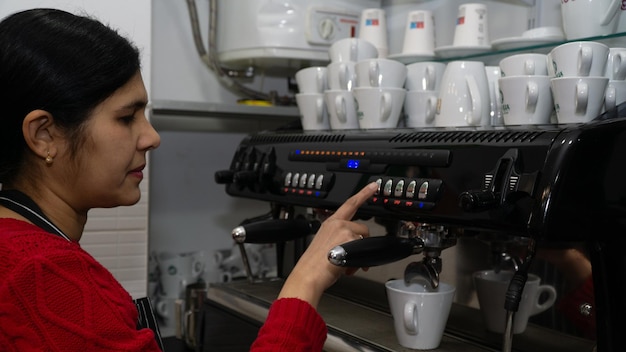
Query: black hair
{"x": 59, "y": 62}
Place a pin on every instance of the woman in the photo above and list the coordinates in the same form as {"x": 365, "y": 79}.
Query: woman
{"x": 73, "y": 136}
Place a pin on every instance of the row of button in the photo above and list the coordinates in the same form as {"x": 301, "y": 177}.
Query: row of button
{"x": 407, "y": 189}
{"x": 305, "y": 180}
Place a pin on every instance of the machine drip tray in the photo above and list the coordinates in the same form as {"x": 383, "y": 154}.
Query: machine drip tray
{"x": 358, "y": 319}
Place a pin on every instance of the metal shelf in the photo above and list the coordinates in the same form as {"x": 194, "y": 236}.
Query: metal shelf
{"x": 170, "y": 115}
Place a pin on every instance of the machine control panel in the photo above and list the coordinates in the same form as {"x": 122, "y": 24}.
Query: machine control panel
{"x": 406, "y": 193}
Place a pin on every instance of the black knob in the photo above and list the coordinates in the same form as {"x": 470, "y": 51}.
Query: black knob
{"x": 477, "y": 200}
{"x": 224, "y": 177}
{"x": 245, "y": 177}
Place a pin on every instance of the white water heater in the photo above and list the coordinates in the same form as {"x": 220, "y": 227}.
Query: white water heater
{"x": 284, "y": 33}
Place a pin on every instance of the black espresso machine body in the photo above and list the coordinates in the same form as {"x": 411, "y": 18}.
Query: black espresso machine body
{"x": 556, "y": 184}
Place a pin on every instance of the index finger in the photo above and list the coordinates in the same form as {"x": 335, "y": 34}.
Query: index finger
{"x": 350, "y": 206}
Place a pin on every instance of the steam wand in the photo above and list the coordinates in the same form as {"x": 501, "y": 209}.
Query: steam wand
{"x": 514, "y": 296}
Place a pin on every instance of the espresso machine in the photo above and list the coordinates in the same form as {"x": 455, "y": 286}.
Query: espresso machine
{"x": 516, "y": 190}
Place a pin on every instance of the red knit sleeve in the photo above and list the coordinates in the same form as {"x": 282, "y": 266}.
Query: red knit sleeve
{"x": 570, "y": 304}
{"x": 291, "y": 325}
{"x": 61, "y": 299}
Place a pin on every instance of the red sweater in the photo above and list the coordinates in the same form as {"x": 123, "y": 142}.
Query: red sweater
{"x": 54, "y": 296}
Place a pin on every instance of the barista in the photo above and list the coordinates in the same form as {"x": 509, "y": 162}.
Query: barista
{"x": 73, "y": 137}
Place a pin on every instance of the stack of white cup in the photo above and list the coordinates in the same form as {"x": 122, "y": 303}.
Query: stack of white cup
{"x": 616, "y": 73}
{"x": 341, "y": 79}
{"x": 310, "y": 99}
{"x": 525, "y": 88}
{"x": 422, "y": 85}
{"x": 578, "y": 80}
{"x": 379, "y": 92}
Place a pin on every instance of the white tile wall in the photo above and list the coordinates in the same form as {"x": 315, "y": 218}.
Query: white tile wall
{"x": 118, "y": 239}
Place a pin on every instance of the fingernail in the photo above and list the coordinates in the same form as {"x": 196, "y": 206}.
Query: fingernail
{"x": 372, "y": 186}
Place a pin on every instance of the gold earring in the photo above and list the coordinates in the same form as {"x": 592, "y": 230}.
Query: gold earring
{"x": 49, "y": 159}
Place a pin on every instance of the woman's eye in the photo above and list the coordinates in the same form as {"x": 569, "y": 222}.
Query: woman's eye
{"x": 128, "y": 119}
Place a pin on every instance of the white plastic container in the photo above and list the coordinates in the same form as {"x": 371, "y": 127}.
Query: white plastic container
{"x": 286, "y": 33}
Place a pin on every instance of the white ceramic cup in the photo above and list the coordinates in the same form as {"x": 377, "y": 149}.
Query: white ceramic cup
{"x": 575, "y": 59}
{"x": 471, "y": 26}
{"x": 313, "y": 113}
{"x": 379, "y": 107}
{"x": 616, "y": 64}
{"x": 178, "y": 271}
{"x": 420, "y": 107}
{"x": 491, "y": 290}
{"x": 382, "y": 73}
{"x": 311, "y": 80}
{"x": 615, "y": 94}
{"x": 463, "y": 95}
{"x": 351, "y": 49}
{"x": 341, "y": 75}
{"x": 419, "y": 33}
{"x": 419, "y": 314}
{"x": 526, "y": 100}
{"x": 373, "y": 28}
{"x": 424, "y": 75}
{"x": 170, "y": 310}
{"x": 524, "y": 65}
{"x": 578, "y": 99}
{"x": 495, "y": 101}
{"x": 590, "y": 18}
{"x": 341, "y": 107}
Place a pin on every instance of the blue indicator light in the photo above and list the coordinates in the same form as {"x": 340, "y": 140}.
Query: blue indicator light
{"x": 298, "y": 151}
{"x": 352, "y": 164}
{"x": 421, "y": 205}
{"x": 317, "y": 194}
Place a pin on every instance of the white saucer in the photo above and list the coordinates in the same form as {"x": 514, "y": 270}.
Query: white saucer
{"x": 410, "y": 58}
{"x": 460, "y": 51}
{"x": 521, "y": 42}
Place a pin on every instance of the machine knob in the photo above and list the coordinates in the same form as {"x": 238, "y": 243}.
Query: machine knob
{"x": 224, "y": 177}
{"x": 244, "y": 177}
{"x": 477, "y": 200}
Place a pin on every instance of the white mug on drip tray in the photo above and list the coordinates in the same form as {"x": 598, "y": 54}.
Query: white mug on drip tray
{"x": 491, "y": 288}
{"x": 419, "y": 314}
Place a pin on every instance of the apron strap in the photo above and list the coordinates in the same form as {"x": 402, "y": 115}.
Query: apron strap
{"x": 26, "y": 207}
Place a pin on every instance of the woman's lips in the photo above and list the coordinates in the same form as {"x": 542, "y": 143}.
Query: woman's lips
{"x": 138, "y": 172}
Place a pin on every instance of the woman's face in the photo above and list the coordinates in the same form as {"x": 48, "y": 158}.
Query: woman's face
{"x": 110, "y": 165}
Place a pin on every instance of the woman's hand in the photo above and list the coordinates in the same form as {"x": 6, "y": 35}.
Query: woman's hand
{"x": 313, "y": 273}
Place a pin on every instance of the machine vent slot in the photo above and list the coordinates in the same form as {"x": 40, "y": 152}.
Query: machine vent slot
{"x": 508, "y": 136}
{"x": 297, "y": 138}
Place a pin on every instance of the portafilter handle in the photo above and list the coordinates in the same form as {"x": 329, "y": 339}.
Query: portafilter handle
{"x": 374, "y": 251}
{"x": 275, "y": 230}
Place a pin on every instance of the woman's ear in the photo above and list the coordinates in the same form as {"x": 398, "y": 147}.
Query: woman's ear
{"x": 37, "y": 127}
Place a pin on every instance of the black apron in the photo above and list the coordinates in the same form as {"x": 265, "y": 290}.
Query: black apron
{"x": 23, "y": 205}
